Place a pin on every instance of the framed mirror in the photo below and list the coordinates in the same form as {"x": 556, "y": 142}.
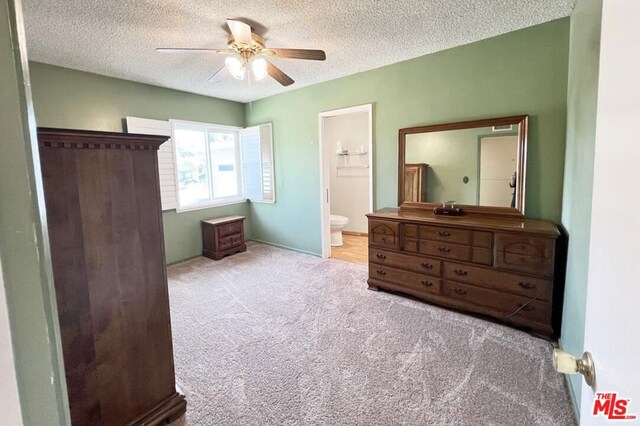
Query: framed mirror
{"x": 480, "y": 165}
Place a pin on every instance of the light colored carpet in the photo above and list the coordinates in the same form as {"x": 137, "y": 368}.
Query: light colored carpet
{"x": 275, "y": 337}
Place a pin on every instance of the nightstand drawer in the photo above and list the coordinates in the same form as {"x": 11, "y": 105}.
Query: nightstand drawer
{"x": 230, "y": 241}
{"x": 229, "y": 229}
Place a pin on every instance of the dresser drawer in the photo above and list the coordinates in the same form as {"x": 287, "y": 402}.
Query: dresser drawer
{"x": 417, "y": 264}
{"x": 509, "y": 304}
{"x": 229, "y": 229}
{"x": 383, "y": 227}
{"x": 450, "y": 251}
{"x": 388, "y": 241}
{"x": 411, "y": 231}
{"x": 411, "y": 280}
{"x": 482, "y": 256}
{"x": 496, "y": 280}
{"x": 384, "y": 233}
{"x": 483, "y": 239}
{"x": 450, "y": 235}
{"x": 411, "y": 245}
{"x": 525, "y": 253}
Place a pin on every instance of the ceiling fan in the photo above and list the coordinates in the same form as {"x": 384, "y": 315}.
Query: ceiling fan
{"x": 246, "y": 49}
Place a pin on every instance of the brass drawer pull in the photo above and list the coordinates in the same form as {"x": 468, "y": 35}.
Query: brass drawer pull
{"x": 426, "y": 265}
{"x": 426, "y": 283}
{"x": 460, "y": 291}
{"x": 525, "y": 308}
{"x": 381, "y": 256}
{"x": 527, "y": 286}
{"x": 381, "y": 272}
{"x": 460, "y": 272}
{"x": 444, "y": 249}
{"x": 443, "y": 234}
{"x": 384, "y": 239}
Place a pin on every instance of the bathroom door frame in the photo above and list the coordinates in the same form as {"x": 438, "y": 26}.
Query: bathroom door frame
{"x": 325, "y": 177}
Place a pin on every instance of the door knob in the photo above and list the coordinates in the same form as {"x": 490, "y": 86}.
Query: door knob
{"x": 566, "y": 363}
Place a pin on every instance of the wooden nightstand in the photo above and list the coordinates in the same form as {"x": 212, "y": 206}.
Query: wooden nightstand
{"x": 223, "y": 236}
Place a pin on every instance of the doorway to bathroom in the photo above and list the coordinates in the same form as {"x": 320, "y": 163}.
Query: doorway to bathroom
{"x": 346, "y": 181}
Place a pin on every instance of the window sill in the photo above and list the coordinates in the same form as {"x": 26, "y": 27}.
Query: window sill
{"x": 211, "y": 205}
{"x": 262, "y": 201}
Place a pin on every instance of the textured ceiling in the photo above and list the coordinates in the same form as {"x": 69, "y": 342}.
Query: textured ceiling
{"x": 118, "y": 38}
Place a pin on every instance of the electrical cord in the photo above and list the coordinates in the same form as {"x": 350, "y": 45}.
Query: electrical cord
{"x": 524, "y": 305}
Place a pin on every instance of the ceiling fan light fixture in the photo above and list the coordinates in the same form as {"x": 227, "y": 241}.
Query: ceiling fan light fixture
{"x": 259, "y": 68}
{"x": 244, "y": 56}
{"x": 236, "y": 66}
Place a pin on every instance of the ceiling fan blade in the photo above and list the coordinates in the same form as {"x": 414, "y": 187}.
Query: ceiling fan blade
{"x": 189, "y": 50}
{"x": 314, "y": 55}
{"x": 219, "y": 76}
{"x": 279, "y": 75}
{"x": 241, "y": 31}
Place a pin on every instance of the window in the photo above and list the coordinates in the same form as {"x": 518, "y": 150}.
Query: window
{"x": 204, "y": 165}
{"x": 221, "y": 164}
{"x": 207, "y": 164}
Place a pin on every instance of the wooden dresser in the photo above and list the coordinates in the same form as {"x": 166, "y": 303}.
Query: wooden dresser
{"x": 105, "y": 229}
{"x": 501, "y": 267}
{"x": 223, "y": 236}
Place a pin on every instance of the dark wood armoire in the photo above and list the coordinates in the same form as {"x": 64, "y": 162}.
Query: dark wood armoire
{"x": 415, "y": 182}
{"x": 105, "y": 228}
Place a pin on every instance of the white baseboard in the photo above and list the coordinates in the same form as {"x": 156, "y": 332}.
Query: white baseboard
{"x": 285, "y": 247}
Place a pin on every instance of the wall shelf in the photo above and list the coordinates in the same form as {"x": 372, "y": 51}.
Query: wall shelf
{"x": 351, "y": 153}
{"x": 351, "y": 167}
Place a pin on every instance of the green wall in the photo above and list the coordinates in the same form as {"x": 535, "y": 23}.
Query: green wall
{"x": 584, "y": 57}
{"x": 24, "y": 246}
{"x": 182, "y": 233}
{"x": 79, "y": 100}
{"x": 523, "y": 72}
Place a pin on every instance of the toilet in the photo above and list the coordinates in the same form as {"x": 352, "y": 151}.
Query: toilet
{"x": 337, "y": 225}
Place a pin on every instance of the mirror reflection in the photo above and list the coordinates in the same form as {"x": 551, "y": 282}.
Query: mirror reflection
{"x": 476, "y": 166}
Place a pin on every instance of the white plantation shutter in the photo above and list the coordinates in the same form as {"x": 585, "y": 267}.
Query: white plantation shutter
{"x": 257, "y": 161}
{"x": 251, "y": 167}
{"x": 266, "y": 149}
{"x": 166, "y": 163}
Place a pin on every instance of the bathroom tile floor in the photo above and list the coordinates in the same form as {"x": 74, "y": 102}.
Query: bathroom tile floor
{"x": 354, "y": 249}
